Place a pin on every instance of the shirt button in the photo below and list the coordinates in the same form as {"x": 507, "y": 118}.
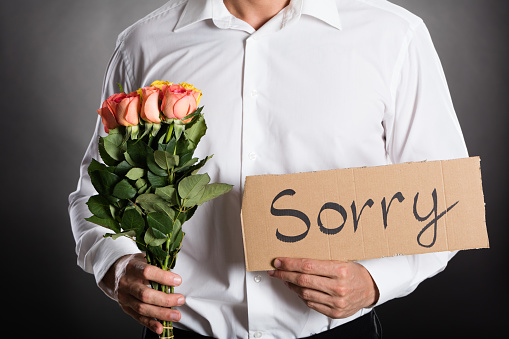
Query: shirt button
{"x": 254, "y": 93}
{"x": 252, "y": 156}
{"x": 258, "y": 334}
{"x": 257, "y": 278}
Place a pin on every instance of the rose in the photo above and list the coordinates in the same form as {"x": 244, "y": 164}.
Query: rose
{"x": 159, "y": 84}
{"x": 120, "y": 109}
{"x": 178, "y": 101}
{"x": 150, "y": 111}
{"x": 128, "y": 110}
{"x": 108, "y": 109}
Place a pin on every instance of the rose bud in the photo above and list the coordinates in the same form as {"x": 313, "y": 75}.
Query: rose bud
{"x": 150, "y": 111}
{"x": 108, "y": 111}
{"x": 178, "y": 102}
{"x": 128, "y": 110}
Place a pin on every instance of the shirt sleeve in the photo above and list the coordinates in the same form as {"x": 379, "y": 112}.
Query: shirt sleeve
{"x": 421, "y": 125}
{"x": 95, "y": 253}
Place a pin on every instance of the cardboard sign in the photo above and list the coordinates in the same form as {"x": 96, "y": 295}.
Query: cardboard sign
{"x": 364, "y": 213}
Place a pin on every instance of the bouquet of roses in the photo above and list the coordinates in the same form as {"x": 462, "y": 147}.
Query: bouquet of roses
{"x": 148, "y": 185}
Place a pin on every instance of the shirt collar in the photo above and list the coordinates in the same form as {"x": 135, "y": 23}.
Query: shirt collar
{"x": 199, "y": 10}
{"x": 325, "y": 10}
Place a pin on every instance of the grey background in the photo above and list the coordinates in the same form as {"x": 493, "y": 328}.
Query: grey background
{"x": 52, "y": 60}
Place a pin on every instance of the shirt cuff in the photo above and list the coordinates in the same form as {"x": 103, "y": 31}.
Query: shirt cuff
{"x": 398, "y": 276}
{"x": 106, "y": 251}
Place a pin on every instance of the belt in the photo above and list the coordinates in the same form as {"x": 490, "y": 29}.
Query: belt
{"x": 365, "y": 327}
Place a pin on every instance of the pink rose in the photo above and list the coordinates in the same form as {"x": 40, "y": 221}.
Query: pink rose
{"x": 150, "y": 111}
{"x": 108, "y": 111}
{"x": 128, "y": 109}
{"x": 178, "y": 102}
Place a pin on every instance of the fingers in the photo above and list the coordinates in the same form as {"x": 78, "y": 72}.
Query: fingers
{"x": 150, "y": 323}
{"x": 142, "y": 309}
{"x": 148, "y": 295}
{"x": 336, "y": 289}
{"x": 146, "y": 272}
{"x": 318, "y": 275}
{"x": 326, "y": 268}
{"x": 143, "y": 303}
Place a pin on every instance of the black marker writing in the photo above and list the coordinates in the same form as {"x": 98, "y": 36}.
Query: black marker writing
{"x": 354, "y": 212}
{"x": 335, "y": 207}
{"x": 433, "y": 222}
{"x": 385, "y": 209}
{"x": 292, "y": 213}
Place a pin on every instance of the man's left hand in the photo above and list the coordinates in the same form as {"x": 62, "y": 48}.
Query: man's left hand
{"x": 334, "y": 288}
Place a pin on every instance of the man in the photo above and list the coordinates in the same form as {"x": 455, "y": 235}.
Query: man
{"x": 289, "y": 86}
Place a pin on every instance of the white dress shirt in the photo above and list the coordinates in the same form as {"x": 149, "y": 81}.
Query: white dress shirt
{"x": 324, "y": 84}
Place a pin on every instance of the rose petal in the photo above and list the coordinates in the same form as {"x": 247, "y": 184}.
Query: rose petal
{"x": 150, "y": 107}
{"x": 108, "y": 119}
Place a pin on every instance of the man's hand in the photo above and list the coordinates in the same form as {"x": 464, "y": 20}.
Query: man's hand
{"x": 126, "y": 281}
{"x": 334, "y": 288}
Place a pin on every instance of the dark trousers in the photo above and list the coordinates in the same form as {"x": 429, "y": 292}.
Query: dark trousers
{"x": 365, "y": 327}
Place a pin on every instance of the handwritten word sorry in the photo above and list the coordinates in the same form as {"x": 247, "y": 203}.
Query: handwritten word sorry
{"x": 433, "y": 216}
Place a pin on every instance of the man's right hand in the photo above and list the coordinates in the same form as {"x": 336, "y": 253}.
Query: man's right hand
{"x": 126, "y": 281}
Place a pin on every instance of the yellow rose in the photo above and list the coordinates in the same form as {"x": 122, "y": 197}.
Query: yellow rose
{"x": 159, "y": 84}
{"x": 192, "y": 88}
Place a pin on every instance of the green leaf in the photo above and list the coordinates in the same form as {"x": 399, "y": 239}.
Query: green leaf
{"x": 192, "y": 186}
{"x": 156, "y": 180}
{"x": 168, "y": 193}
{"x": 108, "y": 160}
{"x": 141, "y": 185}
{"x": 99, "y": 206}
{"x": 153, "y": 203}
{"x": 135, "y": 173}
{"x": 153, "y": 166}
{"x": 129, "y": 160}
{"x": 113, "y": 146}
{"x": 213, "y": 191}
{"x": 151, "y": 240}
{"x": 192, "y": 115}
{"x": 177, "y": 227}
{"x": 190, "y": 213}
{"x": 128, "y": 234}
{"x": 160, "y": 222}
{"x": 133, "y": 220}
{"x": 122, "y": 168}
{"x": 124, "y": 190}
{"x": 108, "y": 223}
{"x": 184, "y": 147}
{"x": 194, "y": 200}
{"x": 170, "y": 147}
{"x": 138, "y": 151}
{"x": 95, "y": 166}
{"x": 175, "y": 244}
{"x": 186, "y": 166}
{"x": 195, "y": 168}
{"x": 197, "y": 130}
{"x": 165, "y": 160}
{"x": 104, "y": 181}
{"x": 179, "y": 128}
{"x": 158, "y": 252}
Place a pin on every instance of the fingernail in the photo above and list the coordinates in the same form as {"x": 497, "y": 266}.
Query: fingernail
{"x": 177, "y": 280}
{"x": 277, "y": 263}
{"x": 175, "y": 317}
{"x": 180, "y": 301}
{"x": 271, "y": 273}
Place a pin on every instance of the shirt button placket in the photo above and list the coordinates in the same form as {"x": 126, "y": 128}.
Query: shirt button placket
{"x": 260, "y": 310}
